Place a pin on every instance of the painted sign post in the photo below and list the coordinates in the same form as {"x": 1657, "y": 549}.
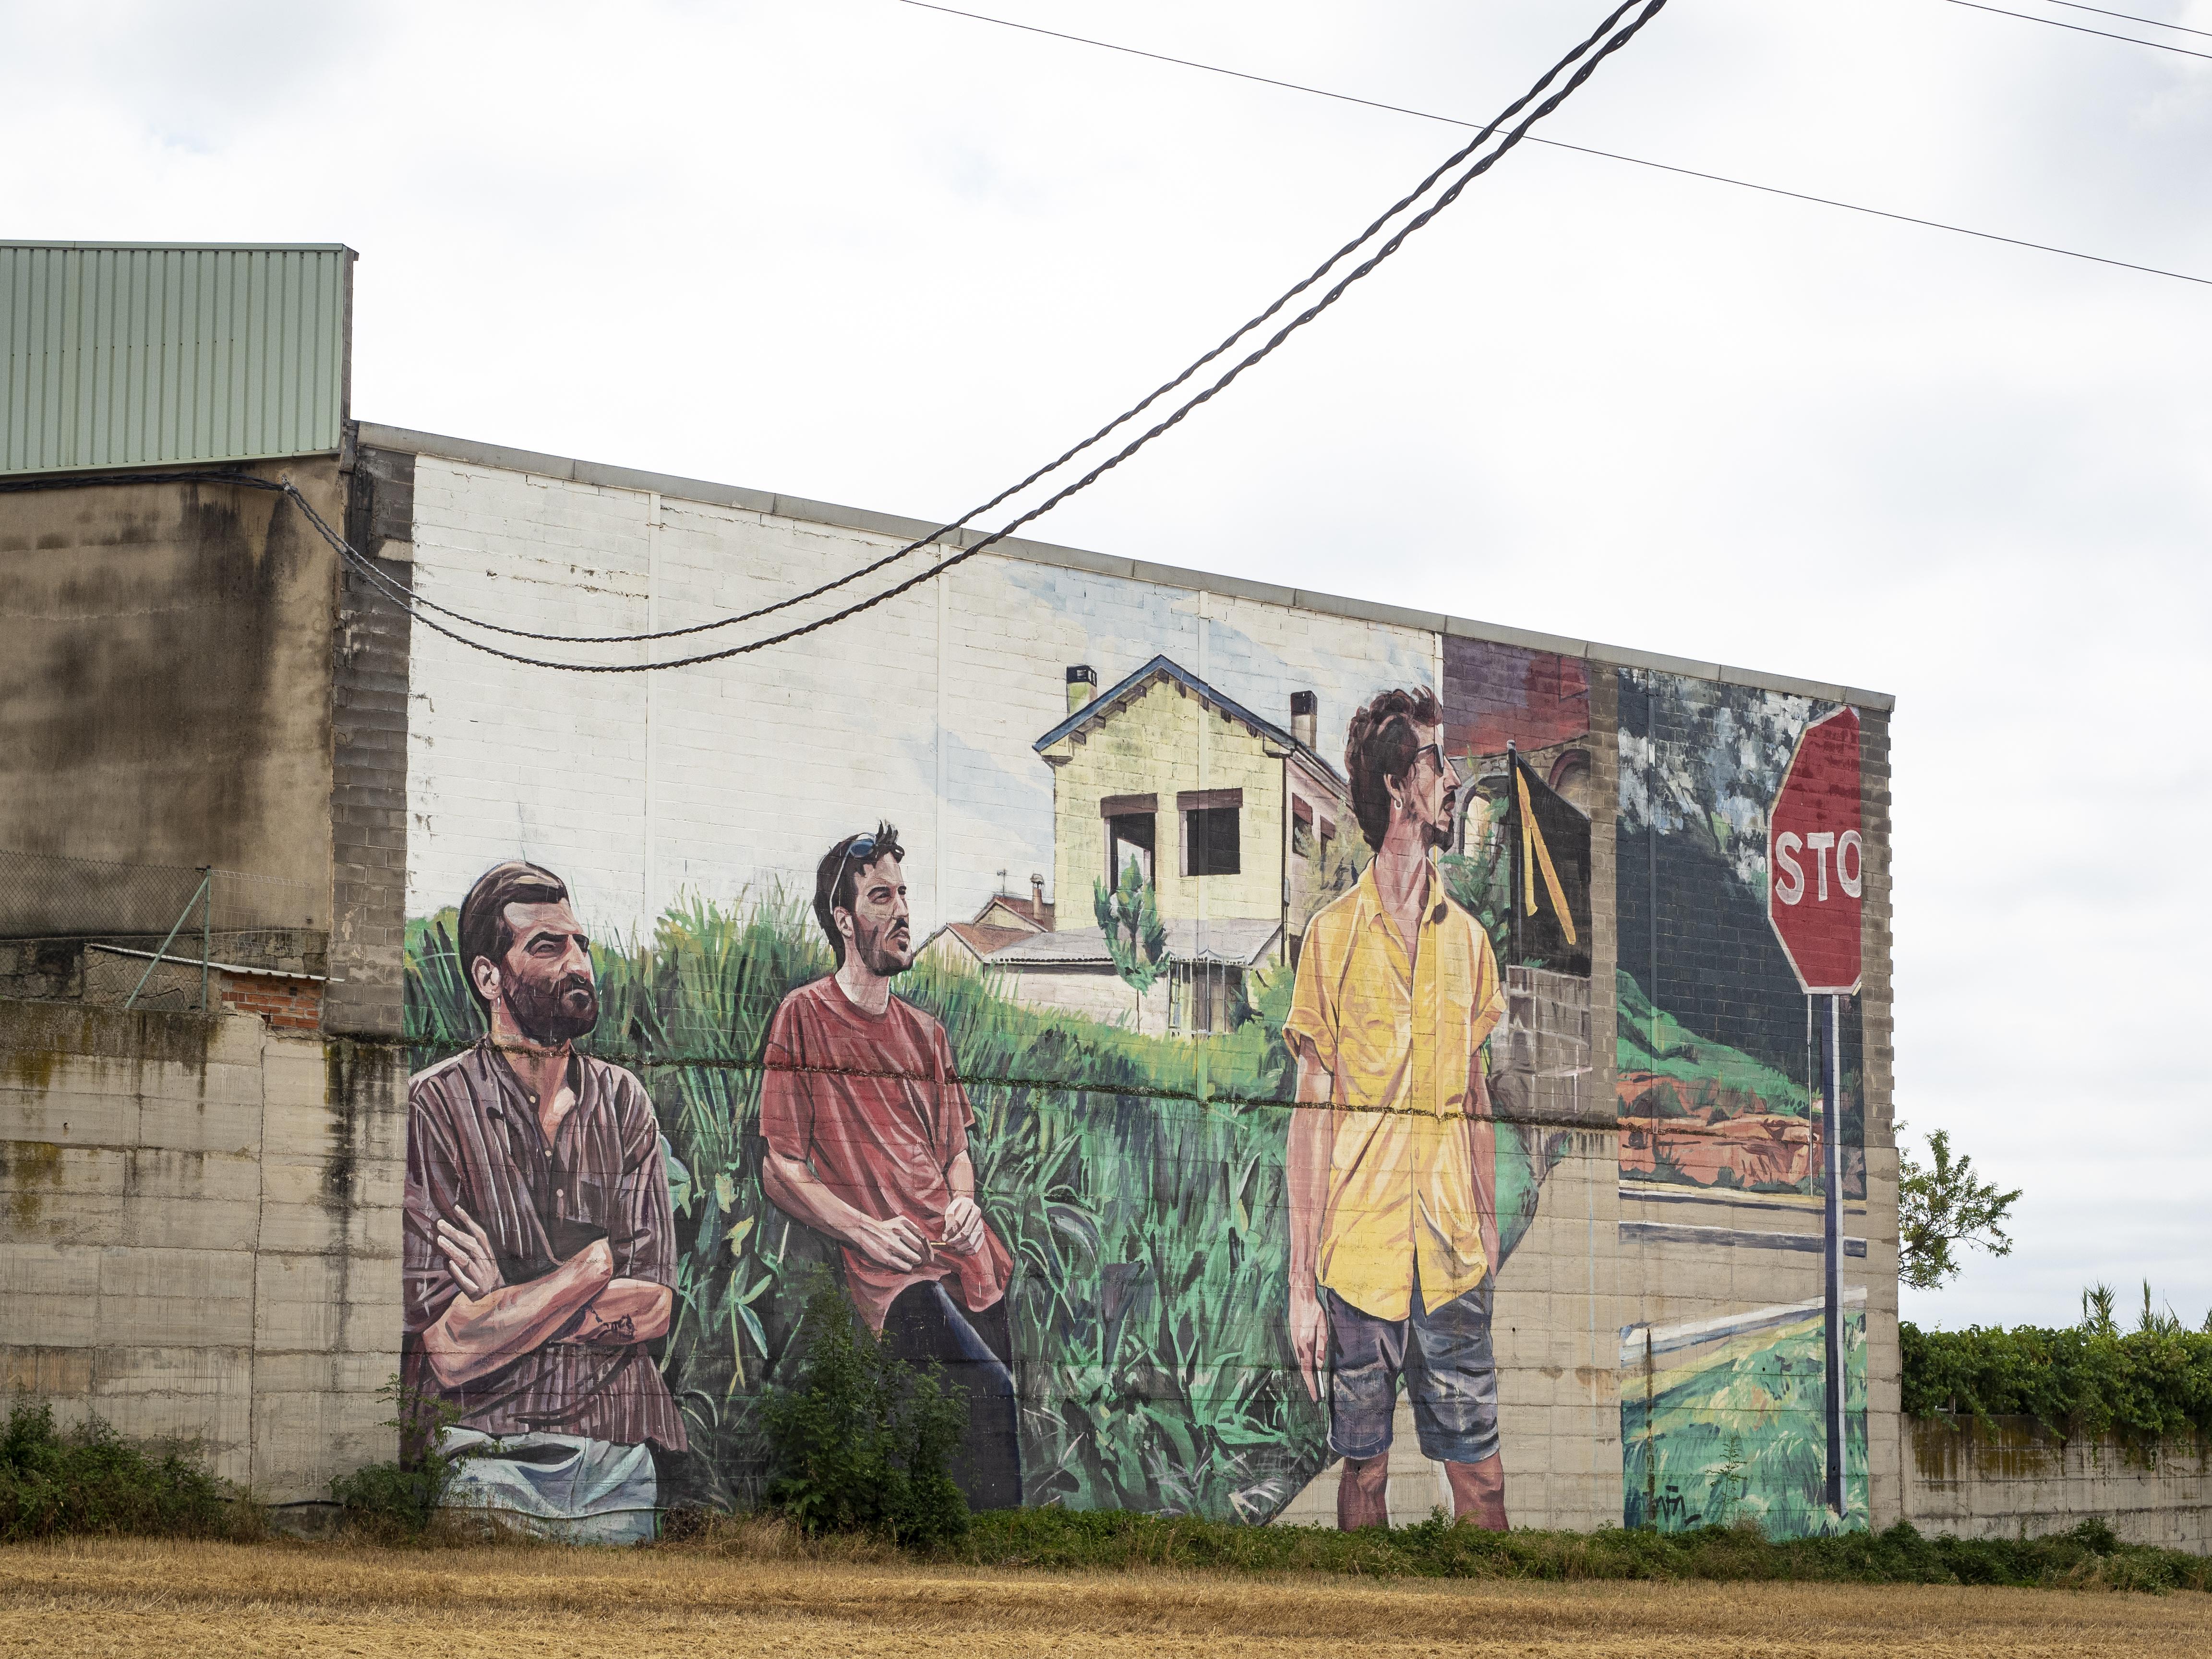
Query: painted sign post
{"x": 1816, "y": 882}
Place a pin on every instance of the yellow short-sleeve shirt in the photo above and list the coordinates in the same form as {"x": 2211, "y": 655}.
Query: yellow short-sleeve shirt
{"x": 1399, "y": 1040}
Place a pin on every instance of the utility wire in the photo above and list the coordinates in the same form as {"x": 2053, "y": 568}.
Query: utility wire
{"x": 2082, "y": 28}
{"x": 399, "y": 595}
{"x": 2129, "y": 16}
{"x": 1118, "y": 421}
{"x": 1558, "y": 143}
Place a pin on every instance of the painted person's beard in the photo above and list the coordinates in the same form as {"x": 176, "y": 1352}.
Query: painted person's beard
{"x": 550, "y": 1015}
{"x": 877, "y": 954}
{"x": 1438, "y": 836}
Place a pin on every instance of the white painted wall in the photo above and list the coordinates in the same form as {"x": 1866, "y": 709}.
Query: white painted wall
{"x": 733, "y": 774}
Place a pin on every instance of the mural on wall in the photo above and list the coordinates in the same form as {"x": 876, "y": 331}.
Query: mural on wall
{"x": 1718, "y": 1089}
{"x": 1197, "y": 1153}
{"x": 1719, "y": 1104}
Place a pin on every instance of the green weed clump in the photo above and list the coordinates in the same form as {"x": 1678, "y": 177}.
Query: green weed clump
{"x": 87, "y": 1478}
{"x": 860, "y": 1444}
{"x": 2086, "y": 1557}
{"x": 2144, "y": 1387}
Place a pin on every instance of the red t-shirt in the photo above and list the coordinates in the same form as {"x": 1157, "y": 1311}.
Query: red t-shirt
{"x": 872, "y": 1102}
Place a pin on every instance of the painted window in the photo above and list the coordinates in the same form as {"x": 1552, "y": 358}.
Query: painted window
{"x": 1210, "y": 841}
{"x": 1202, "y": 996}
{"x": 1129, "y": 838}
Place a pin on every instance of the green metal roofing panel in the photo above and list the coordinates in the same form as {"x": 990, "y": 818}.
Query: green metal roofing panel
{"x": 140, "y": 354}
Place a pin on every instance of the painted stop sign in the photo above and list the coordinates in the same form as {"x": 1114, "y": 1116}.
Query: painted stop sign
{"x": 1816, "y": 856}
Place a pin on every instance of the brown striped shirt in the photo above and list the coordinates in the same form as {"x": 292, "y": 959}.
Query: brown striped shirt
{"x": 474, "y": 1142}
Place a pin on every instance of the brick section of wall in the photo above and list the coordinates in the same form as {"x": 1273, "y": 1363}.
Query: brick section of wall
{"x": 368, "y": 783}
{"x": 2013, "y": 1477}
{"x": 199, "y": 1234}
{"x": 1885, "y": 1360}
{"x": 288, "y": 1004}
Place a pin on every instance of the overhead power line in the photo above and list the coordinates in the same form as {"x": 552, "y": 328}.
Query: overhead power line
{"x": 1112, "y": 426}
{"x": 2083, "y": 29}
{"x": 1559, "y": 143}
{"x": 2129, "y": 16}
{"x": 1585, "y": 58}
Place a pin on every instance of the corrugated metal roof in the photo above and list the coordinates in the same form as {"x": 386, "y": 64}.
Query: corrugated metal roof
{"x": 137, "y": 355}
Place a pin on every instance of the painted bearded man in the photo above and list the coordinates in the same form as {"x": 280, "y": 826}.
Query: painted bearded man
{"x": 1392, "y": 1156}
{"x": 538, "y": 1253}
{"x": 866, "y": 1127}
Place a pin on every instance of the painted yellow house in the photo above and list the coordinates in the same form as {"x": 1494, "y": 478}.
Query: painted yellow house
{"x": 1225, "y": 813}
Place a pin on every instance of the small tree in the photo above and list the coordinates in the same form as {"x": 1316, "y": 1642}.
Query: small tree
{"x": 1136, "y": 938}
{"x": 1942, "y": 1207}
{"x": 860, "y": 1445}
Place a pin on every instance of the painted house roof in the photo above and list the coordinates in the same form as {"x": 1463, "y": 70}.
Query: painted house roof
{"x": 1108, "y": 702}
{"x": 981, "y": 938}
{"x": 1028, "y": 907}
{"x": 1237, "y": 944}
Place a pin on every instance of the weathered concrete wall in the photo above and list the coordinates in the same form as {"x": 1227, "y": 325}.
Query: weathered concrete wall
{"x": 2015, "y": 1478}
{"x": 165, "y": 695}
{"x": 199, "y": 1228}
{"x": 368, "y": 777}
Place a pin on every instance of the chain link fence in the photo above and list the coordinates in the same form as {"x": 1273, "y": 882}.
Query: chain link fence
{"x": 147, "y": 935}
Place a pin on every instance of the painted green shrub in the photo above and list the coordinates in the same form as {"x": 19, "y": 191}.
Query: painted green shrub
{"x": 1739, "y": 1436}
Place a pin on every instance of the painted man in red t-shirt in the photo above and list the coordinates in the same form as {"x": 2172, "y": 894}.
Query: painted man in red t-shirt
{"x": 866, "y": 1127}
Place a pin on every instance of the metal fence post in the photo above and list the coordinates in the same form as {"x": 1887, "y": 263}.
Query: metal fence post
{"x": 207, "y": 930}
{"x": 207, "y": 876}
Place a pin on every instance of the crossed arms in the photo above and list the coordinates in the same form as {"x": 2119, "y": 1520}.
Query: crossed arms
{"x": 1313, "y": 1141}
{"x": 491, "y": 1322}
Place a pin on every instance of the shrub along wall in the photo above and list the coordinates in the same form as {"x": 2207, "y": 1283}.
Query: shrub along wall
{"x": 2140, "y": 1388}
{"x": 2025, "y": 1432}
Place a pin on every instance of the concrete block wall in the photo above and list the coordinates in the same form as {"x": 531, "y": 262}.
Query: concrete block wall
{"x": 199, "y": 1233}
{"x": 2012, "y": 1478}
{"x": 368, "y": 768}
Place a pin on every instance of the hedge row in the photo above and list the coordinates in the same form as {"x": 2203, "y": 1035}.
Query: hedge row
{"x": 2141, "y": 1387}
{"x": 2084, "y": 1556}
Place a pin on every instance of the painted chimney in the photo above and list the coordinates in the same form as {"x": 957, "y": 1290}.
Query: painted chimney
{"x": 1036, "y": 898}
{"x": 1302, "y": 717}
{"x": 1082, "y": 686}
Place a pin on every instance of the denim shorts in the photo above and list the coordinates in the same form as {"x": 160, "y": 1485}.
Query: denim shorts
{"x": 1450, "y": 1375}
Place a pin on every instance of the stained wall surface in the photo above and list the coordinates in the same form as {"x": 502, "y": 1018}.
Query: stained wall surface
{"x": 1163, "y": 1297}
{"x": 199, "y": 1231}
{"x": 165, "y": 696}
{"x": 2011, "y": 1477}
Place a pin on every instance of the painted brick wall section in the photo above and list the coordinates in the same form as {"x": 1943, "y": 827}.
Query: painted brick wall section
{"x": 368, "y": 782}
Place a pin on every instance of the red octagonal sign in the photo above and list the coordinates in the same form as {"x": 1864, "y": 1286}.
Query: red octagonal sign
{"x": 1816, "y": 858}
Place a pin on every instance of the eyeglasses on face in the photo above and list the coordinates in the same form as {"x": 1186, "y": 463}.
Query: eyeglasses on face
{"x": 1436, "y": 753}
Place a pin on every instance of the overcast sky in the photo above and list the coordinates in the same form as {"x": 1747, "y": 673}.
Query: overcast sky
{"x": 877, "y": 255}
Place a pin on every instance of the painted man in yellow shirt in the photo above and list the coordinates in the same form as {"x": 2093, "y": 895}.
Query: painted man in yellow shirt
{"x": 1392, "y": 1153}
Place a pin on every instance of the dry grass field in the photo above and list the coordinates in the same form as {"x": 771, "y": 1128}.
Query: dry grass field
{"x": 195, "y": 1601}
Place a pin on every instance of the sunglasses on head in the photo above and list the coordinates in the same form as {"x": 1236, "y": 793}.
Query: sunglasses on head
{"x": 862, "y": 847}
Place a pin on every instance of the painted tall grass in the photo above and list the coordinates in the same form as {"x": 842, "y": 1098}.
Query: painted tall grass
{"x": 1137, "y": 1179}
{"x": 1739, "y": 1435}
